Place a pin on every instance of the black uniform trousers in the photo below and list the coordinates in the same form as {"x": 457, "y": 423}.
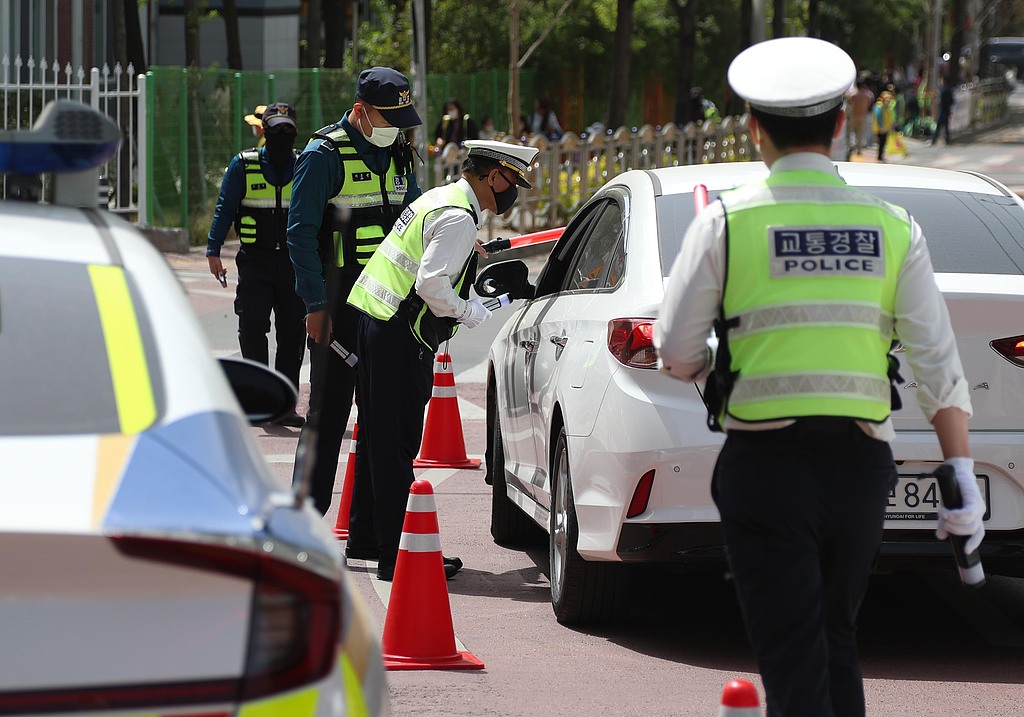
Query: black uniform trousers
{"x": 266, "y": 283}
{"x": 395, "y": 375}
{"x": 332, "y": 385}
{"x": 802, "y": 511}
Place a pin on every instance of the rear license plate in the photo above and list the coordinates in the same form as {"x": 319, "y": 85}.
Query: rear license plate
{"x": 917, "y": 498}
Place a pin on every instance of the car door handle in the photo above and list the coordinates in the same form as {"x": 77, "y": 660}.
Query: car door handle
{"x": 560, "y": 340}
{"x": 528, "y": 345}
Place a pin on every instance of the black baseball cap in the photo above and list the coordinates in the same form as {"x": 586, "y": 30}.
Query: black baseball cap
{"x": 387, "y": 91}
{"x": 277, "y": 114}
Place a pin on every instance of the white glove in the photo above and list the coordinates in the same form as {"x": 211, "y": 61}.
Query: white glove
{"x": 966, "y": 520}
{"x": 476, "y": 314}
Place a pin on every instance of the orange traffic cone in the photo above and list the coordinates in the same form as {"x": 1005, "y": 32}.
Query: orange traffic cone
{"x": 341, "y": 524}
{"x": 443, "y": 445}
{"x": 739, "y": 699}
{"x": 418, "y": 633}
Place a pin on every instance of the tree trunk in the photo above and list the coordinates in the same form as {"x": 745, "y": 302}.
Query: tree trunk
{"x": 686, "y": 14}
{"x": 959, "y": 16}
{"x": 314, "y": 44}
{"x": 779, "y": 18}
{"x": 746, "y": 20}
{"x": 133, "y": 28}
{"x": 120, "y": 33}
{"x": 513, "y": 69}
{"x": 813, "y": 19}
{"x": 230, "y": 12}
{"x": 334, "y": 32}
{"x": 619, "y": 96}
{"x": 191, "y": 12}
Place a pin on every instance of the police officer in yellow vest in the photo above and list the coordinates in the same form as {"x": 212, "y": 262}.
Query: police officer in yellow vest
{"x": 413, "y": 294}
{"x": 254, "y": 197}
{"x": 361, "y": 166}
{"x": 807, "y": 281}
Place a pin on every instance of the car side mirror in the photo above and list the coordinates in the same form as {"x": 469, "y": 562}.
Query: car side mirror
{"x": 510, "y": 277}
{"x": 264, "y": 394}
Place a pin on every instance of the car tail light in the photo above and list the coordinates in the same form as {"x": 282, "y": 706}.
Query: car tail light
{"x": 642, "y": 495}
{"x": 631, "y": 342}
{"x": 293, "y": 636}
{"x": 296, "y": 627}
{"x": 1011, "y": 349}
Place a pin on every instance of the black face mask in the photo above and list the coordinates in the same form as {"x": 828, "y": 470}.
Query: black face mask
{"x": 505, "y": 199}
{"x": 279, "y": 147}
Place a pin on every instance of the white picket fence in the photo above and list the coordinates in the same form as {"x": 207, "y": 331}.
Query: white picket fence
{"x": 26, "y": 87}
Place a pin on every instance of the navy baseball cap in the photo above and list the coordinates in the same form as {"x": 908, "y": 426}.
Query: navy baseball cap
{"x": 277, "y": 114}
{"x": 387, "y": 91}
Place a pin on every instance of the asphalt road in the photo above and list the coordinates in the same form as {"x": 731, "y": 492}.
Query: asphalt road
{"x": 929, "y": 647}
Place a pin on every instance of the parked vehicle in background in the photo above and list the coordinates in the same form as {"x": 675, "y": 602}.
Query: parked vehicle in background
{"x": 151, "y": 562}
{"x": 613, "y": 460}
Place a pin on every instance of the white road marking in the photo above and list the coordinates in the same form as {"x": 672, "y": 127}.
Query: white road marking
{"x": 219, "y": 293}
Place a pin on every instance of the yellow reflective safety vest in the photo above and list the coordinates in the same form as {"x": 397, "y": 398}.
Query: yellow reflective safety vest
{"x": 808, "y": 301}
{"x": 385, "y": 287}
{"x": 363, "y": 195}
{"x": 262, "y": 220}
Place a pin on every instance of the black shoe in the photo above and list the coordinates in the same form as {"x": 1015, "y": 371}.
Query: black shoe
{"x": 451, "y": 566}
{"x": 385, "y": 572}
{"x": 292, "y": 421}
{"x": 358, "y": 552}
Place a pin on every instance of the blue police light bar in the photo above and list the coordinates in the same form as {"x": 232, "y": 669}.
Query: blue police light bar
{"x": 67, "y": 136}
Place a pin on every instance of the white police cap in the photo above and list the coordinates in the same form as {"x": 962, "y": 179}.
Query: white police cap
{"x": 516, "y": 157}
{"x": 792, "y": 76}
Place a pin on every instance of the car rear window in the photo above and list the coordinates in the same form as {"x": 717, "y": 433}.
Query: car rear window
{"x": 67, "y": 331}
{"x": 967, "y": 233}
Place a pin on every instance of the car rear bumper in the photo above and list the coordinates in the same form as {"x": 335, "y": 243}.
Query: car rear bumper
{"x": 698, "y": 544}
{"x": 1002, "y": 552}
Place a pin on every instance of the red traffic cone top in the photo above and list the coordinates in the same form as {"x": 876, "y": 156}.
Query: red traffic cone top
{"x": 739, "y": 693}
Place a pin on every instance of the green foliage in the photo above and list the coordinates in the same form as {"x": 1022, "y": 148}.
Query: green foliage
{"x": 897, "y": 27}
{"x": 474, "y": 37}
{"x": 386, "y": 38}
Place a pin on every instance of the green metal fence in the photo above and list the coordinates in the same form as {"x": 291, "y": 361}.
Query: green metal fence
{"x": 195, "y": 125}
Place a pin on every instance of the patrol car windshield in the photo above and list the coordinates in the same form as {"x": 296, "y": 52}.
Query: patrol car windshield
{"x": 55, "y": 370}
{"x": 967, "y": 233}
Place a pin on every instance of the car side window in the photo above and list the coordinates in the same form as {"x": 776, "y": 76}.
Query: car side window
{"x": 552, "y": 278}
{"x": 600, "y": 261}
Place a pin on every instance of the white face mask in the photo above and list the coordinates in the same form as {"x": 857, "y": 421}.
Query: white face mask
{"x": 382, "y": 136}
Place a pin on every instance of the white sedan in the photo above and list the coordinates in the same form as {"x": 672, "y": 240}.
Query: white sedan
{"x": 150, "y": 562}
{"x": 613, "y": 459}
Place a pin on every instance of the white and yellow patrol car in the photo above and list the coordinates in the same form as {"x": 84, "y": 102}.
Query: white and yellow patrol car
{"x": 150, "y": 563}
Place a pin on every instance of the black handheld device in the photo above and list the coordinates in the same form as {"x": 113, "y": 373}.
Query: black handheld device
{"x": 969, "y": 564}
{"x": 495, "y": 245}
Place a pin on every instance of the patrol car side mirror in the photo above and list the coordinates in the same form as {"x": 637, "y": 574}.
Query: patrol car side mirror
{"x": 265, "y": 394}
{"x": 505, "y": 277}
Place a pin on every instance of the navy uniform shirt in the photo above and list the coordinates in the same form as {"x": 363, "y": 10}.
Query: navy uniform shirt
{"x": 318, "y": 179}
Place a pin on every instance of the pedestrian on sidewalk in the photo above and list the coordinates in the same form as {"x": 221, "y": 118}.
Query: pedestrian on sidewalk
{"x": 860, "y": 102}
{"x": 412, "y": 295}
{"x": 802, "y": 480}
{"x": 352, "y": 181}
{"x": 945, "y": 110}
{"x": 254, "y": 197}
{"x": 883, "y": 119}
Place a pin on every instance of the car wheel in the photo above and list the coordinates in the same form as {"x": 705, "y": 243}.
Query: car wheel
{"x": 581, "y": 591}
{"x": 510, "y": 526}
